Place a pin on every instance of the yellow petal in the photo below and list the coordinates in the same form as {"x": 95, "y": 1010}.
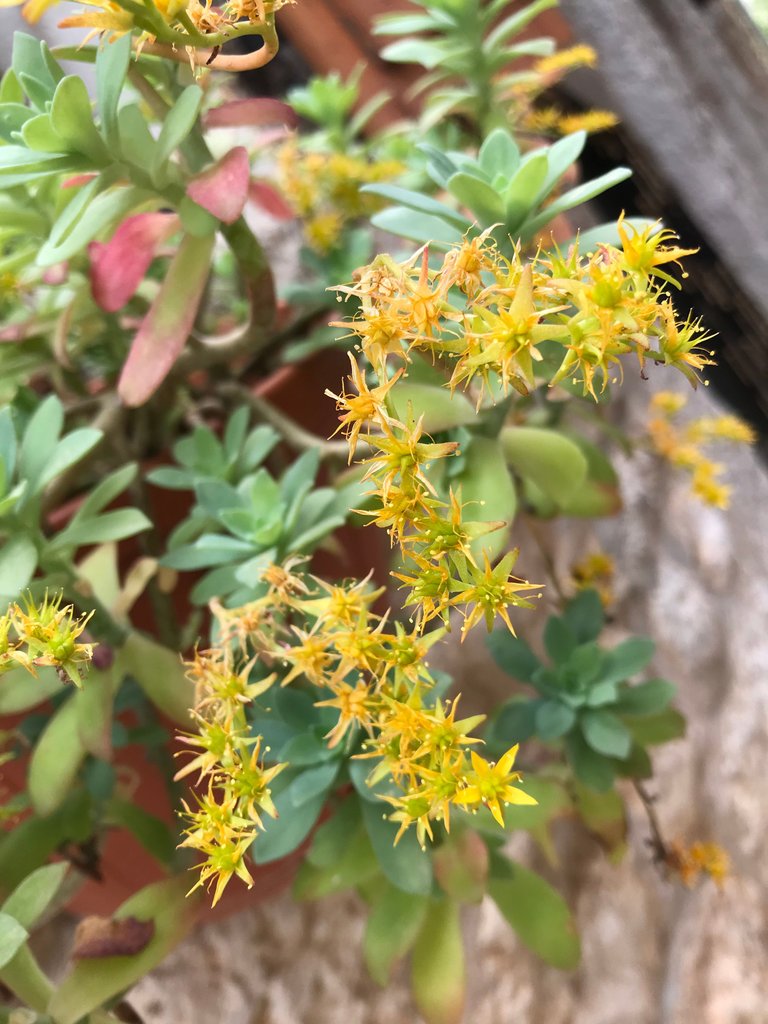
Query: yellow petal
{"x": 506, "y": 761}
{"x": 517, "y": 796}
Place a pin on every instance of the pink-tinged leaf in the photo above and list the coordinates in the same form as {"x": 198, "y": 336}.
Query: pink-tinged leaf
{"x": 269, "y": 199}
{"x": 57, "y": 274}
{"x": 77, "y": 180}
{"x": 119, "y": 265}
{"x": 167, "y": 325}
{"x": 223, "y": 189}
{"x": 254, "y": 112}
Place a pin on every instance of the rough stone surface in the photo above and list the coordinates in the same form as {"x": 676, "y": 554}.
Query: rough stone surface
{"x": 653, "y": 953}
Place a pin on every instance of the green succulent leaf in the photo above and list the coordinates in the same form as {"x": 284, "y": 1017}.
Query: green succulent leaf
{"x": 32, "y": 897}
{"x": 629, "y": 658}
{"x": 537, "y": 912}
{"x": 418, "y": 227}
{"x": 512, "y": 655}
{"x": 437, "y": 965}
{"x": 554, "y": 719}
{"x": 56, "y": 760}
{"x": 112, "y": 63}
{"x": 591, "y": 768}
{"x": 487, "y": 492}
{"x": 19, "y": 692}
{"x": 72, "y": 120}
{"x": 549, "y": 459}
{"x": 560, "y": 641}
{"x": 93, "y": 982}
{"x": 645, "y": 698}
{"x": 406, "y": 865}
{"x": 18, "y": 561}
{"x": 393, "y": 926}
{"x": 605, "y": 733}
{"x": 12, "y": 937}
{"x": 295, "y": 820}
{"x": 585, "y": 616}
{"x": 662, "y": 727}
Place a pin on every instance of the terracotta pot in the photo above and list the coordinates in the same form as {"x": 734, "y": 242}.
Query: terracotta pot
{"x": 124, "y": 864}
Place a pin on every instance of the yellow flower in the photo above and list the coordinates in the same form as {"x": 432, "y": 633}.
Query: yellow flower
{"x": 50, "y": 634}
{"x": 310, "y": 658}
{"x": 247, "y": 781}
{"x": 366, "y": 407}
{"x": 33, "y": 9}
{"x": 430, "y": 589}
{"x": 668, "y": 402}
{"x": 590, "y": 121}
{"x": 491, "y": 591}
{"x": 402, "y": 457}
{"x": 595, "y": 571}
{"x": 100, "y": 16}
{"x": 445, "y": 733}
{"x": 353, "y": 704}
{"x": 217, "y": 742}
{"x": 720, "y": 428}
{"x": 700, "y": 858}
{"x": 491, "y": 784}
{"x": 681, "y": 344}
{"x": 224, "y": 861}
{"x": 646, "y": 250}
{"x": 566, "y": 60}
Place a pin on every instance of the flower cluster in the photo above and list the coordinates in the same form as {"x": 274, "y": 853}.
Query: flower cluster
{"x": 525, "y": 88}
{"x": 691, "y": 862}
{"x": 227, "y": 759}
{"x": 44, "y": 635}
{"x": 595, "y": 571}
{"x": 326, "y": 639}
{"x": 485, "y": 319}
{"x": 323, "y": 187}
{"x": 681, "y": 444}
{"x": 184, "y": 24}
{"x": 439, "y": 568}
{"x": 596, "y": 307}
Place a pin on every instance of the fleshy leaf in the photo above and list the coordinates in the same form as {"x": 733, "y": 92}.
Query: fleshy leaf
{"x": 269, "y": 199}
{"x": 119, "y": 265}
{"x": 223, "y": 189}
{"x": 254, "y": 112}
{"x": 165, "y": 329}
{"x": 538, "y": 913}
{"x": 437, "y": 965}
{"x": 92, "y": 983}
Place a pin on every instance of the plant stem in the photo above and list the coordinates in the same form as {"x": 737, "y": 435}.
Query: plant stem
{"x": 657, "y": 837}
{"x": 222, "y": 62}
{"x": 295, "y": 435}
{"x": 549, "y": 561}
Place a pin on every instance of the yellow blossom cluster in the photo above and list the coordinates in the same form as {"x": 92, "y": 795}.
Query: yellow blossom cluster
{"x": 326, "y": 639}
{"x": 526, "y": 88}
{"x": 484, "y": 319}
{"x": 229, "y": 811}
{"x": 187, "y": 24}
{"x": 596, "y": 572}
{"x": 691, "y": 862}
{"x": 42, "y": 635}
{"x": 323, "y": 187}
{"x": 681, "y": 444}
{"x": 439, "y": 568}
{"x": 596, "y": 307}
{"x": 553, "y": 121}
